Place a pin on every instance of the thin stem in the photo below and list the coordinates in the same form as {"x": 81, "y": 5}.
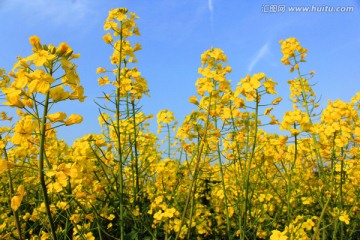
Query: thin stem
{"x": 41, "y": 168}
{"x": 305, "y": 101}
{"x": 196, "y": 170}
{"x": 169, "y": 142}
{"x": 16, "y": 214}
{"x": 136, "y": 154}
{"x": 119, "y": 150}
{"x": 247, "y": 183}
{"x": 223, "y": 188}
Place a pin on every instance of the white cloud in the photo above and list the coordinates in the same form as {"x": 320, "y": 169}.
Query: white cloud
{"x": 59, "y": 12}
{"x": 211, "y": 6}
{"x": 211, "y": 9}
{"x": 259, "y": 55}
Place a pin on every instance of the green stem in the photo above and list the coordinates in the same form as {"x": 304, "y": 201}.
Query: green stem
{"x": 305, "y": 100}
{"x": 223, "y": 188}
{"x": 136, "y": 154}
{"x": 196, "y": 170}
{"x": 315, "y": 236}
{"x": 289, "y": 180}
{"x": 342, "y": 177}
{"x": 238, "y": 171}
{"x": 169, "y": 142}
{"x": 117, "y": 130}
{"x": 247, "y": 183}
{"x": 16, "y": 214}
{"x": 41, "y": 168}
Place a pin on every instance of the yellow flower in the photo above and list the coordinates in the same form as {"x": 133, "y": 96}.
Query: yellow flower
{"x": 165, "y": 116}
{"x": 158, "y": 215}
{"x": 44, "y": 235}
{"x": 41, "y": 57}
{"x": 23, "y": 129}
{"x": 194, "y": 100}
{"x": 100, "y": 70}
{"x": 78, "y": 94}
{"x": 4, "y": 117}
{"x": 73, "y": 119}
{"x": 21, "y": 80}
{"x": 63, "y": 48}
{"x": 307, "y": 200}
{"x": 55, "y": 187}
{"x": 169, "y": 213}
{"x": 62, "y": 205}
{"x": 136, "y": 212}
{"x": 137, "y": 47}
{"x": 277, "y": 235}
{"x": 269, "y": 85}
{"x": 89, "y": 236}
{"x": 56, "y": 117}
{"x": 177, "y": 223}
{"x": 276, "y": 101}
{"x": 3, "y": 166}
{"x": 41, "y": 81}
{"x": 158, "y": 199}
{"x": 39, "y": 86}
{"x": 16, "y": 200}
{"x": 308, "y": 224}
{"x": 35, "y": 41}
{"x": 268, "y": 110}
{"x": 21, "y": 190}
{"x": 344, "y": 217}
{"x": 58, "y": 94}
{"x": 103, "y": 80}
{"x": 110, "y": 25}
{"x": 290, "y": 47}
{"x": 13, "y": 99}
{"x": 61, "y": 178}
{"x": 108, "y": 38}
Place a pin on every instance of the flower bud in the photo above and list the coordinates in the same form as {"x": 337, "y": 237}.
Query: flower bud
{"x": 35, "y": 41}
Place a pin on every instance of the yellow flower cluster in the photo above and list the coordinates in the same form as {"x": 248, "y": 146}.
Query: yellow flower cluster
{"x": 248, "y": 86}
{"x": 291, "y": 49}
{"x": 225, "y": 175}
{"x": 122, "y": 25}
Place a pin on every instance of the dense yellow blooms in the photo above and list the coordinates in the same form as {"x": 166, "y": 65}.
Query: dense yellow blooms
{"x": 221, "y": 175}
{"x": 290, "y": 49}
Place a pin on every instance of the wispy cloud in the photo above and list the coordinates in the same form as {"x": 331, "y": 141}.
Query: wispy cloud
{"x": 211, "y": 10}
{"x": 263, "y": 51}
{"x": 211, "y": 6}
{"x": 59, "y": 12}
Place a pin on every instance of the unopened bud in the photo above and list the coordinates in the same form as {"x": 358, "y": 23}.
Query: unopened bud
{"x": 35, "y": 41}
{"x": 62, "y": 49}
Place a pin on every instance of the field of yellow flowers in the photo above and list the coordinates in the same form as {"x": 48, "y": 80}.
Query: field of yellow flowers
{"x": 217, "y": 175}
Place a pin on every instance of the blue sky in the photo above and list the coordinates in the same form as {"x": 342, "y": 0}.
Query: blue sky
{"x": 176, "y": 32}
